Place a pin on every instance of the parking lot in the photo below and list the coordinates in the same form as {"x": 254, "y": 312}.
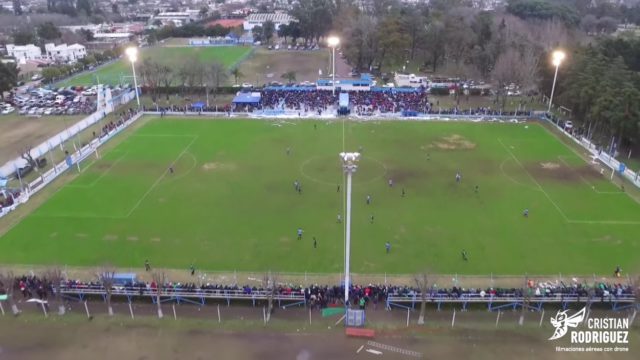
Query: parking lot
{"x": 62, "y": 101}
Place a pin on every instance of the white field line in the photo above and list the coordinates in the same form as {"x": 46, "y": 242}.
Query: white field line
{"x": 588, "y": 183}
{"x": 164, "y": 173}
{"x": 163, "y": 135}
{"x": 512, "y": 179}
{"x": 535, "y": 181}
{"x": 94, "y": 182}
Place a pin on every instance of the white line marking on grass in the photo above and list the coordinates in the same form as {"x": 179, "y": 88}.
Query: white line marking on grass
{"x": 512, "y": 179}
{"x": 185, "y": 172}
{"x": 94, "y": 182}
{"x": 164, "y": 173}
{"x": 604, "y": 222}
{"x": 535, "y": 181}
{"x": 163, "y": 135}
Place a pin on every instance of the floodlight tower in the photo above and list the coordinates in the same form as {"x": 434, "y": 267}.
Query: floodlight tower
{"x": 349, "y": 164}
{"x": 132, "y": 54}
{"x": 557, "y": 58}
{"x": 333, "y": 42}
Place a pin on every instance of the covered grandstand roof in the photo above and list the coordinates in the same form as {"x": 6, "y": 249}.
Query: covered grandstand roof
{"x": 247, "y": 98}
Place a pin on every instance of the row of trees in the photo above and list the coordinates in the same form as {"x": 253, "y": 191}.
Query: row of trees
{"x": 193, "y": 73}
{"x": 53, "y": 73}
{"x": 8, "y": 77}
{"x": 601, "y": 86}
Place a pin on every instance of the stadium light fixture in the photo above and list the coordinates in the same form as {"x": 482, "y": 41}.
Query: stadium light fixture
{"x": 350, "y": 165}
{"x": 132, "y": 54}
{"x": 556, "y": 59}
{"x": 333, "y": 42}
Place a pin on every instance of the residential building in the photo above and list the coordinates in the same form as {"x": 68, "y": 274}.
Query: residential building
{"x": 278, "y": 19}
{"x": 22, "y": 53}
{"x": 65, "y": 53}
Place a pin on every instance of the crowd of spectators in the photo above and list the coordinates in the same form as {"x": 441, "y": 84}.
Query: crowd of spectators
{"x": 298, "y": 100}
{"x": 328, "y": 296}
{"x": 122, "y": 119}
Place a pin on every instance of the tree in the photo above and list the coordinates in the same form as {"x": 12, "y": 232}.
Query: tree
{"x": 25, "y": 154}
{"x": 203, "y": 12}
{"x": 86, "y": 6}
{"x": 235, "y": 72}
{"x": 268, "y": 29}
{"x": 257, "y": 33}
{"x": 215, "y": 75}
{"x": 48, "y": 31}
{"x": 422, "y": 283}
{"x": 159, "y": 278}
{"x": 87, "y": 34}
{"x": 106, "y": 276}
{"x": 7, "y": 282}
{"x": 8, "y": 77}
{"x": 50, "y": 73}
{"x": 115, "y": 9}
{"x": 270, "y": 282}
{"x": 54, "y": 277}
{"x": 23, "y": 37}
{"x": 17, "y": 7}
{"x": 166, "y": 77}
{"x": 290, "y": 76}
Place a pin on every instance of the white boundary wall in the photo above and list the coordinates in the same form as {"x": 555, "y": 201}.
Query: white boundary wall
{"x": 608, "y": 160}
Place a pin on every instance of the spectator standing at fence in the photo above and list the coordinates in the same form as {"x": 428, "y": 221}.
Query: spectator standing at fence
{"x": 458, "y": 177}
{"x": 192, "y": 269}
{"x": 390, "y": 182}
{"x": 339, "y": 221}
{"x": 368, "y": 199}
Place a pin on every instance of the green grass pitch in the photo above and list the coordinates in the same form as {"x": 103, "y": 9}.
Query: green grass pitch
{"x": 231, "y": 203}
{"x": 174, "y": 56}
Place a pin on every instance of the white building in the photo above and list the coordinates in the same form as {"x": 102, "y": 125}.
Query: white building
{"x": 177, "y": 18}
{"x": 65, "y": 53}
{"x": 22, "y": 53}
{"x": 411, "y": 80}
{"x": 278, "y": 19}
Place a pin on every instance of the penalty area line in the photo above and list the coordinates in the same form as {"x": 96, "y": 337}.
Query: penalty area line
{"x": 162, "y": 176}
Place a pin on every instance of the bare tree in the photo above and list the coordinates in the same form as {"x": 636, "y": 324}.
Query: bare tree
{"x": 25, "y": 154}
{"x": 106, "y": 276}
{"x": 271, "y": 286}
{"x": 422, "y": 283}
{"x": 54, "y": 277}
{"x": 166, "y": 78}
{"x": 159, "y": 278}
{"x": 8, "y": 282}
{"x": 214, "y": 75}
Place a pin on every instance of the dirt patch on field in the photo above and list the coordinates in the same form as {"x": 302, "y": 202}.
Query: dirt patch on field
{"x": 215, "y": 166}
{"x": 562, "y": 172}
{"x": 110, "y": 237}
{"x": 453, "y": 142}
{"x": 400, "y": 176}
{"x": 132, "y": 238}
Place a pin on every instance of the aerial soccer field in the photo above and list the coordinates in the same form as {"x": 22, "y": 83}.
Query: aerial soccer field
{"x": 230, "y": 203}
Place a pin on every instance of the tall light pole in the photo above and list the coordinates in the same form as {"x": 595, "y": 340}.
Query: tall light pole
{"x": 557, "y": 58}
{"x": 333, "y": 42}
{"x": 349, "y": 164}
{"x": 132, "y": 54}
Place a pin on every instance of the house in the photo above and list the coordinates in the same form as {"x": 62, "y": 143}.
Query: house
{"x": 22, "y": 53}
{"x": 65, "y": 53}
{"x": 278, "y": 19}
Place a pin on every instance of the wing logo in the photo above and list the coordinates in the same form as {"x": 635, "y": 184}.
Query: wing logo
{"x": 562, "y": 322}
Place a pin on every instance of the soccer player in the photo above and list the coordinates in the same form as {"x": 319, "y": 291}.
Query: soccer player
{"x": 403, "y": 193}
{"x": 371, "y": 219}
{"x": 315, "y": 243}
{"x": 617, "y": 272}
{"x": 458, "y": 177}
{"x": 428, "y": 156}
{"x": 387, "y": 246}
{"x": 288, "y": 151}
{"x": 390, "y": 182}
{"x": 192, "y": 269}
{"x": 477, "y": 189}
{"x": 339, "y": 219}
{"x": 315, "y": 126}
{"x": 464, "y": 255}
{"x": 171, "y": 169}
{"x": 300, "y": 233}
{"x": 368, "y": 199}
{"x": 147, "y": 266}
{"x": 525, "y": 213}
{"x": 296, "y": 185}
{"x": 338, "y": 190}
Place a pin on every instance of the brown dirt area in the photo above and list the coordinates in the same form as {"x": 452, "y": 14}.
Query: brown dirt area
{"x": 16, "y": 132}
{"x": 212, "y": 166}
{"x": 196, "y": 334}
{"x": 453, "y": 142}
{"x": 561, "y": 172}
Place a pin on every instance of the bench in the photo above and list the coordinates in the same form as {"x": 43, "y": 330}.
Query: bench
{"x": 360, "y": 332}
